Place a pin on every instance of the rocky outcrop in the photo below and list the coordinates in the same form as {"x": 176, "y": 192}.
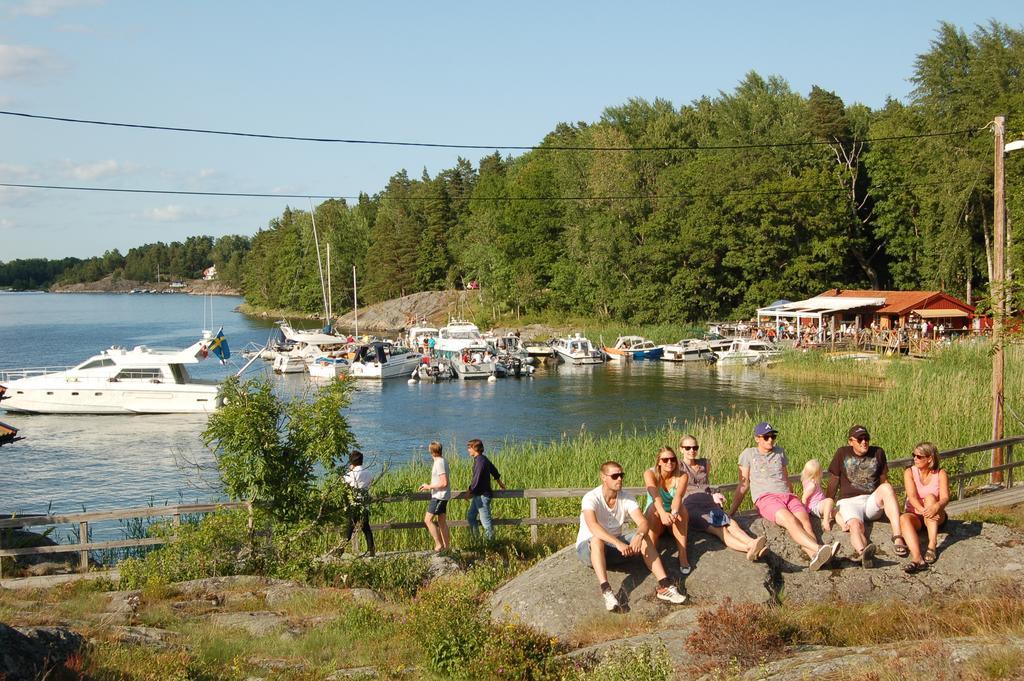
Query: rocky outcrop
{"x": 559, "y": 593}
{"x": 29, "y": 653}
{"x": 938, "y": 659}
{"x": 109, "y": 284}
{"x": 433, "y": 307}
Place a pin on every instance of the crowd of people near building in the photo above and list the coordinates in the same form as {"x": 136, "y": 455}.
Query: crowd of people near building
{"x": 681, "y": 498}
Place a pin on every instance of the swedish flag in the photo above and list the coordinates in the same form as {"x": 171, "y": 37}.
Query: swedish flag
{"x": 219, "y": 346}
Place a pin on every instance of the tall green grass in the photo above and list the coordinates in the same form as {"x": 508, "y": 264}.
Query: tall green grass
{"x": 945, "y": 400}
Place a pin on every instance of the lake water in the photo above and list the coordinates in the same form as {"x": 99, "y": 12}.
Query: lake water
{"x": 67, "y": 463}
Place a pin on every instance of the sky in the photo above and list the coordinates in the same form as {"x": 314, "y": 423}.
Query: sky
{"x": 452, "y": 73}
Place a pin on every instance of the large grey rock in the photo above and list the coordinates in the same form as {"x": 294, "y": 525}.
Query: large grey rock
{"x": 151, "y": 637}
{"x": 950, "y": 657}
{"x": 29, "y": 653}
{"x": 971, "y": 556}
{"x": 256, "y": 623}
{"x": 559, "y": 592}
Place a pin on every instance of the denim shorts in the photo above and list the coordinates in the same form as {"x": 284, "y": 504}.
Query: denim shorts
{"x": 611, "y": 554}
{"x": 437, "y": 507}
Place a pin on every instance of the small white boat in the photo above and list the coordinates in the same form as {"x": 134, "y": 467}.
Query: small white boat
{"x": 436, "y": 370}
{"x": 419, "y": 337}
{"x": 286, "y": 363}
{"x": 744, "y": 352}
{"x": 376, "y": 361}
{"x": 327, "y": 367}
{"x": 142, "y": 380}
{"x": 577, "y": 350}
{"x": 535, "y": 349}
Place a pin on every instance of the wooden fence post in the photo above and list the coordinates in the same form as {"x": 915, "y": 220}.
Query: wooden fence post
{"x": 533, "y": 516}
{"x": 83, "y": 538}
{"x": 1009, "y": 471}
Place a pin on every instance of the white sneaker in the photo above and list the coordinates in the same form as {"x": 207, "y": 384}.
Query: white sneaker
{"x": 836, "y": 548}
{"x": 671, "y": 594}
{"x": 610, "y": 601}
{"x": 821, "y": 558}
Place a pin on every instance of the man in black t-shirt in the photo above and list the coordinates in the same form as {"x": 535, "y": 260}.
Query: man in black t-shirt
{"x": 860, "y": 473}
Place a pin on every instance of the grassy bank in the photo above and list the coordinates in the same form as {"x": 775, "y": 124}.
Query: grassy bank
{"x": 945, "y": 400}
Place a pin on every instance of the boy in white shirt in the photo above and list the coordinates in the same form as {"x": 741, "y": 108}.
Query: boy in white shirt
{"x": 602, "y": 541}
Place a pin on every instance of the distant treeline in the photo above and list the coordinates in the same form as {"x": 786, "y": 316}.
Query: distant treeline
{"x": 148, "y": 263}
{"x": 657, "y": 213}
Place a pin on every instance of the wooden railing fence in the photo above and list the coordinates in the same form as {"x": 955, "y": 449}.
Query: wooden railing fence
{"x": 534, "y": 520}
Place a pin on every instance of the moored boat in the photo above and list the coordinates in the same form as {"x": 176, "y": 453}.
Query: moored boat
{"x": 577, "y": 350}
{"x": 744, "y": 352}
{"x": 633, "y": 348}
{"x": 142, "y": 380}
{"x": 376, "y": 361}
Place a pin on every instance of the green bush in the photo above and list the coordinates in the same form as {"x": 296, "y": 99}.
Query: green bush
{"x": 646, "y": 661}
{"x": 515, "y": 651}
{"x": 214, "y": 546}
{"x": 449, "y": 626}
{"x": 399, "y": 576}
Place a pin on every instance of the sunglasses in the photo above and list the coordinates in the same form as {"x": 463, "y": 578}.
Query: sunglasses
{"x": 922, "y": 456}
{"x": 769, "y": 436}
{"x": 617, "y": 476}
{"x": 670, "y": 459}
{"x": 691, "y": 447}
{"x": 862, "y": 439}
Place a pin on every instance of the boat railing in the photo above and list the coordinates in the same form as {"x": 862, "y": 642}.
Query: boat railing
{"x": 17, "y": 374}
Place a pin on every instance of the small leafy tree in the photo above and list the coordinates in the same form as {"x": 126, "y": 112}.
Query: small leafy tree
{"x": 284, "y": 456}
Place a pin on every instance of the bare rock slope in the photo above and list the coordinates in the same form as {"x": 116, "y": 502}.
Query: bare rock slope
{"x": 559, "y": 594}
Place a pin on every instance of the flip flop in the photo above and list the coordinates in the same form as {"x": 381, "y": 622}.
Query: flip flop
{"x": 900, "y": 549}
{"x": 913, "y": 568}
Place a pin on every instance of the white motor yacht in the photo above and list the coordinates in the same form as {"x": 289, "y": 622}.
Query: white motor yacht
{"x": 142, "y": 380}
{"x": 578, "y": 350}
{"x": 742, "y": 351}
{"x": 376, "y": 361}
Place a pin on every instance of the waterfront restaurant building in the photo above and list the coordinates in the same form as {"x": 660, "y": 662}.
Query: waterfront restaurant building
{"x": 864, "y": 308}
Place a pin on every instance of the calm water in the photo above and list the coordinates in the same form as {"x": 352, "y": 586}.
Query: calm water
{"x": 70, "y": 462}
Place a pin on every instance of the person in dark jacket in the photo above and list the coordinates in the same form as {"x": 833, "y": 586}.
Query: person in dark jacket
{"x": 480, "y": 491}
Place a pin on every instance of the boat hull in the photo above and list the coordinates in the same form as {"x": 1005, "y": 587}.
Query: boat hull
{"x": 393, "y": 368}
{"x": 189, "y": 399}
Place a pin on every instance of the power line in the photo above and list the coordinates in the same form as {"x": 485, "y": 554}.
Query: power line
{"x": 614, "y": 197}
{"x": 508, "y": 147}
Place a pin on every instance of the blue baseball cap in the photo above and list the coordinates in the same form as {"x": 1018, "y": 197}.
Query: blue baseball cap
{"x": 764, "y": 428}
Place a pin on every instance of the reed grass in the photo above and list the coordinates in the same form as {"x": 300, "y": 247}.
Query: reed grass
{"x": 944, "y": 400}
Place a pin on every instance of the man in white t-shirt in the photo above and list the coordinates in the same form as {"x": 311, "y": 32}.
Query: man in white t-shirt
{"x": 603, "y": 541}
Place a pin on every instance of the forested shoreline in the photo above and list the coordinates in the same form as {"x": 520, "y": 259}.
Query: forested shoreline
{"x": 659, "y": 214}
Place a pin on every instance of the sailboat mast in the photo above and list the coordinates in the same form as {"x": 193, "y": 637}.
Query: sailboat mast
{"x": 330, "y": 298}
{"x": 355, "y": 298}
{"x": 319, "y": 262}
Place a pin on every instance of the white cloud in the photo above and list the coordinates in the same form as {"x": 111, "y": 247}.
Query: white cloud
{"x": 10, "y": 171}
{"x": 48, "y": 8}
{"x": 170, "y": 213}
{"x": 93, "y": 171}
{"x": 21, "y": 61}
{"x": 206, "y": 172}
{"x": 7, "y": 224}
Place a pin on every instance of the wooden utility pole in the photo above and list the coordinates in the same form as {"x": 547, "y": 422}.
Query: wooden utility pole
{"x": 998, "y": 292}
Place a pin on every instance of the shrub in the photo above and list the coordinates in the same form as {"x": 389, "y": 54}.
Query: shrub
{"x": 448, "y": 625}
{"x": 212, "y": 547}
{"x": 648, "y": 662}
{"x": 745, "y": 634}
{"x": 515, "y": 651}
{"x": 399, "y": 576}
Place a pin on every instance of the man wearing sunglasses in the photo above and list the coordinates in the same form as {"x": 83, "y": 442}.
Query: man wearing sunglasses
{"x": 763, "y": 471}
{"x": 860, "y": 473}
{"x": 602, "y": 539}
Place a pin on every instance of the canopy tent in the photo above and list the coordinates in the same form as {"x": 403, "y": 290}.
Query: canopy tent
{"x": 817, "y": 307}
{"x": 942, "y": 314}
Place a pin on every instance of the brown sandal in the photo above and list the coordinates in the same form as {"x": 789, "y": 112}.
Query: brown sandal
{"x": 930, "y": 556}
